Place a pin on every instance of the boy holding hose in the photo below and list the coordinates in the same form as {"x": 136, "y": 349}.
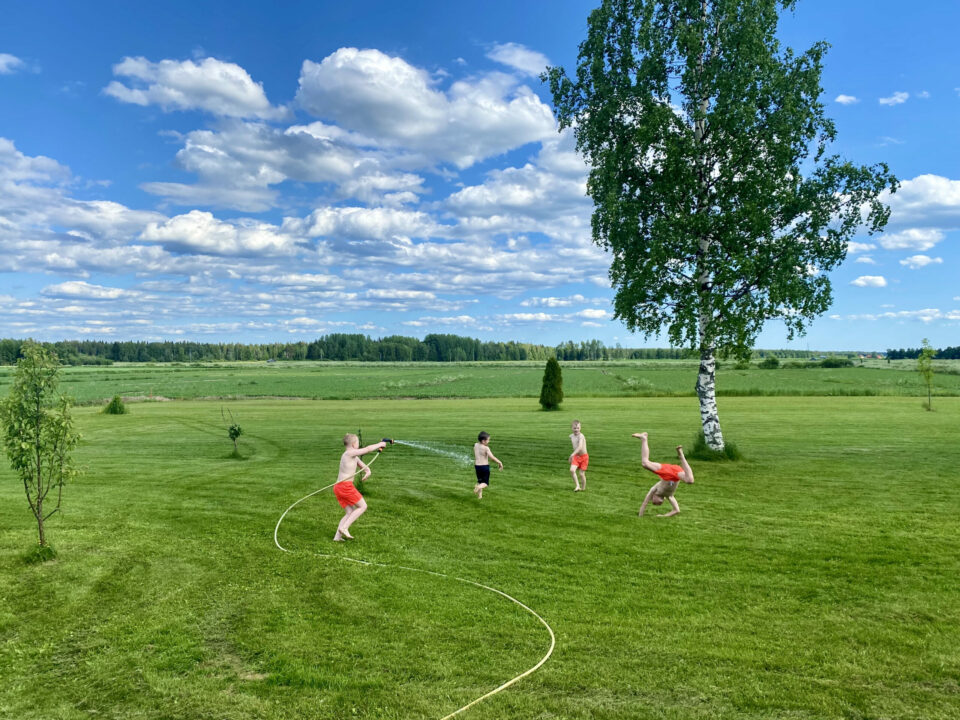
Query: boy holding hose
{"x": 347, "y": 495}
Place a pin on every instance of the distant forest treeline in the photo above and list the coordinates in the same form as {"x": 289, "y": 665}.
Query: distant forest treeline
{"x": 338, "y": 346}
{"x": 342, "y": 346}
{"x": 947, "y": 353}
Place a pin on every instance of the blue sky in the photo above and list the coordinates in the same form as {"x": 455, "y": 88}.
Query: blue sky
{"x": 277, "y": 171}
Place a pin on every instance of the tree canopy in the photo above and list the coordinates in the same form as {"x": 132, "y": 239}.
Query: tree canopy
{"x": 713, "y": 187}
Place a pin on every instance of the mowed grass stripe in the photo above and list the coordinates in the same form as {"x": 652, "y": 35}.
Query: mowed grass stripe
{"x": 818, "y": 578}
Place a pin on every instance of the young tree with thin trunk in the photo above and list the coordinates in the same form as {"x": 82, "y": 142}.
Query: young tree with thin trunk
{"x": 712, "y": 186}
{"x": 925, "y": 368}
{"x": 38, "y": 432}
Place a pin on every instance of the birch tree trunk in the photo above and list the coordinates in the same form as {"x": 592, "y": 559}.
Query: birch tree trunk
{"x": 707, "y": 394}
{"x": 707, "y": 388}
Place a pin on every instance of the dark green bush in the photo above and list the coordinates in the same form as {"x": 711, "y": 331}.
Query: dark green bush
{"x": 836, "y": 362}
{"x": 701, "y": 451}
{"x": 551, "y": 394}
{"x": 770, "y": 362}
{"x": 115, "y": 407}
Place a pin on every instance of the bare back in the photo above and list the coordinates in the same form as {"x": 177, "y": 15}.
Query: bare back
{"x": 481, "y": 454}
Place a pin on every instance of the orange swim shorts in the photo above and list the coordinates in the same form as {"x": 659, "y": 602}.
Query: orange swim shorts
{"x": 346, "y": 493}
{"x": 669, "y": 473}
{"x": 580, "y": 461}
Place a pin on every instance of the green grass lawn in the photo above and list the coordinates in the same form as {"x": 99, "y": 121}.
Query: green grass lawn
{"x": 818, "y": 578}
{"x": 346, "y": 381}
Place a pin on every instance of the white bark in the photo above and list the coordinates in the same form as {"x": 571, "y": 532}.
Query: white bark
{"x": 707, "y": 391}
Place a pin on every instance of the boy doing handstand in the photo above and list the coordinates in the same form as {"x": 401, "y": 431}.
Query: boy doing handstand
{"x": 579, "y": 458}
{"x": 347, "y": 495}
{"x": 481, "y": 463}
{"x": 670, "y": 477}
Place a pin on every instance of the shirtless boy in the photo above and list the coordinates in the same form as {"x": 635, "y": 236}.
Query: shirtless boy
{"x": 347, "y": 495}
{"x": 670, "y": 477}
{"x": 579, "y": 458}
{"x": 481, "y": 463}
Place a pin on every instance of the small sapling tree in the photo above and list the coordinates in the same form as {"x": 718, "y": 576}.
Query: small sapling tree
{"x": 925, "y": 368}
{"x": 115, "y": 407}
{"x": 233, "y": 430}
{"x": 551, "y": 394}
{"x": 38, "y": 433}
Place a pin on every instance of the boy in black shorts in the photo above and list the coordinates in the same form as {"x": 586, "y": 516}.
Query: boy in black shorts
{"x": 481, "y": 463}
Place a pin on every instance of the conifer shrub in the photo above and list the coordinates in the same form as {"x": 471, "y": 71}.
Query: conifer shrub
{"x": 551, "y": 394}
{"x": 115, "y": 407}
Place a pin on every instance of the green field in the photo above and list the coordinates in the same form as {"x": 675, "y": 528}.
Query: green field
{"x": 818, "y": 578}
{"x": 344, "y": 381}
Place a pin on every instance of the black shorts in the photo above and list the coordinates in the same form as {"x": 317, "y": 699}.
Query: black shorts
{"x": 483, "y": 474}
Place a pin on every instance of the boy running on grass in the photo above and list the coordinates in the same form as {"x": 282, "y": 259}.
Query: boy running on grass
{"x": 579, "y": 458}
{"x": 347, "y": 495}
{"x": 481, "y": 463}
{"x": 670, "y": 477}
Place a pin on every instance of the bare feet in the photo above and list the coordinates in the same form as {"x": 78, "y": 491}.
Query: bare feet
{"x": 347, "y": 535}
{"x": 679, "y": 449}
{"x": 338, "y": 537}
{"x": 639, "y": 435}
{"x": 577, "y": 489}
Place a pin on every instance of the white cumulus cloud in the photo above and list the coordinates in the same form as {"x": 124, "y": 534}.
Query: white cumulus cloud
{"x": 201, "y": 232}
{"x": 911, "y": 239}
{"x": 387, "y": 99}
{"x": 218, "y": 87}
{"x": 875, "y": 281}
{"x": 925, "y": 201}
{"x": 80, "y": 289}
{"x": 918, "y": 261}
{"x": 519, "y": 57}
{"x": 898, "y": 98}
{"x": 846, "y": 99}
{"x": 859, "y": 247}
{"x": 9, "y": 63}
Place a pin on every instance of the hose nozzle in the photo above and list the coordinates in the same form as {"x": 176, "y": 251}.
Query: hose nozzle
{"x": 386, "y": 440}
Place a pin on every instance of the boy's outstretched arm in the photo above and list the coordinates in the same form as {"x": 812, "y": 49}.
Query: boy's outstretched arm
{"x": 493, "y": 457}
{"x": 643, "y": 505}
{"x": 364, "y": 450}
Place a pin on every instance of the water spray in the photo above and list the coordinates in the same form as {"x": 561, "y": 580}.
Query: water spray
{"x": 461, "y": 458}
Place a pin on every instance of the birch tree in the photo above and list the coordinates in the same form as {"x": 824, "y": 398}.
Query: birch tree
{"x": 712, "y": 184}
{"x": 925, "y": 368}
{"x": 38, "y": 433}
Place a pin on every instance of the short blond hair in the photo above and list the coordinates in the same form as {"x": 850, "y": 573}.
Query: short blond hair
{"x": 575, "y": 422}
{"x": 350, "y": 437}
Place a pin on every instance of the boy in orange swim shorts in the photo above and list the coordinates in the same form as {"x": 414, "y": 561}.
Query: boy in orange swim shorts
{"x": 670, "y": 477}
{"x": 579, "y": 459}
{"x": 347, "y": 495}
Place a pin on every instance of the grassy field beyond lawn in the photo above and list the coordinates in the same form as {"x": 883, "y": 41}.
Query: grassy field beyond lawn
{"x": 816, "y": 579}
{"x": 345, "y": 381}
